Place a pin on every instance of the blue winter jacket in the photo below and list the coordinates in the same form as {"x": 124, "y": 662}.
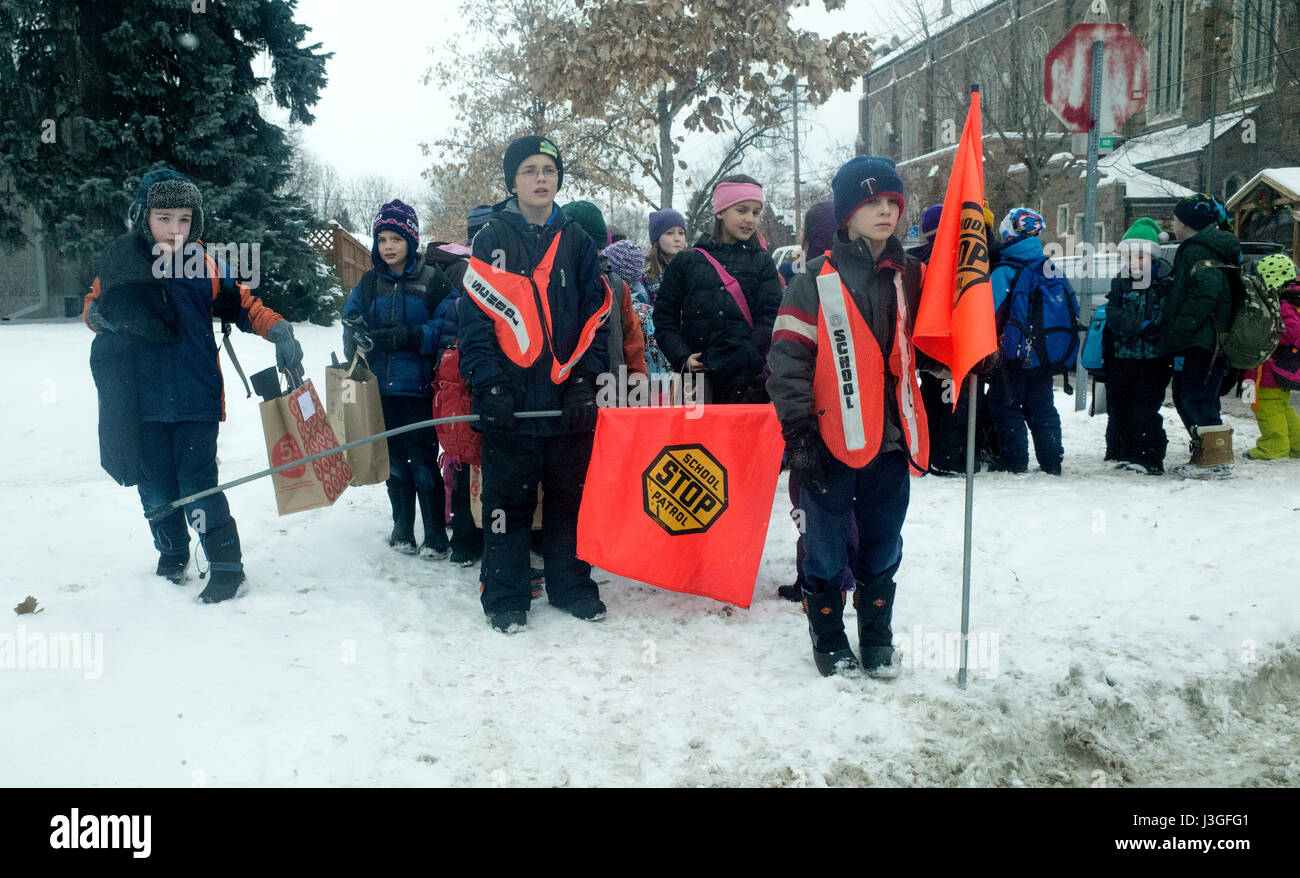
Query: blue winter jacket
{"x": 575, "y": 295}
{"x": 400, "y": 301}
{"x": 1011, "y": 259}
{"x": 182, "y": 381}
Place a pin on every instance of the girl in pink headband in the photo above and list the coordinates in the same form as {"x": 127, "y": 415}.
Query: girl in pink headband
{"x": 737, "y": 208}
{"x": 714, "y": 311}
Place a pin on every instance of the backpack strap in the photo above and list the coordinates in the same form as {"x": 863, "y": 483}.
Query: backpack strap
{"x": 226, "y": 303}
{"x": 369, "y": 288}
{"x": 436, "y": 287}
{"x": 731, "y": 284}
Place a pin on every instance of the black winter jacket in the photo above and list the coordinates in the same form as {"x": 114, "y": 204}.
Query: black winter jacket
{"x": 694, "y": 313}
{"x": 1199, "y": 306}
{"x": 575, "y": 296}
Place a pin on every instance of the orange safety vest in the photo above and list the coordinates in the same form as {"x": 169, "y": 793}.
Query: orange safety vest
{"x": 849, "y": 378}
{"x": 520, "y": 308}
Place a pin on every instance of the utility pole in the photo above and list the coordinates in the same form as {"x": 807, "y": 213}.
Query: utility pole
{"x": 1214, "y": 109}
{"x": 798, "y": 199}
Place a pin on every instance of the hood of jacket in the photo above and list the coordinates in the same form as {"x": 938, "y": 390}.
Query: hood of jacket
{"x": 1224, "y": 245}
{"x": 1023, "y": 252}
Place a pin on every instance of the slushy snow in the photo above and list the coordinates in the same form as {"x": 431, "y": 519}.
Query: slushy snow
{"x": 1128, "y": 630}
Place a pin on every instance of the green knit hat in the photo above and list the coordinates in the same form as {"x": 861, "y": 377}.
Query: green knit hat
{"x": 1145, "y": 235}
{"x": 588, "y": 215}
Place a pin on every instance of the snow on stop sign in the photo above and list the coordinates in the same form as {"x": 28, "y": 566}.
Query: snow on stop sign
{"x": 1067, "y": 76}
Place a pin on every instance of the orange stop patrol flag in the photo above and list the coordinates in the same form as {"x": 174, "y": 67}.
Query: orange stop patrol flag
{"x": 680, "y": 497}
{"x": 954, "y": 322}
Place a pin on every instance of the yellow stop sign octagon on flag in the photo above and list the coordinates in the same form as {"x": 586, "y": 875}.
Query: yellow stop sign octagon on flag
{"x": 684, "y": 489}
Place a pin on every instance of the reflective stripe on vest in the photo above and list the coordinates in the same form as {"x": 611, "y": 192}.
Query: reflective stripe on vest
{"x": 512, "y": 301}
{"x": 849, "y": 378}
{"x": 560, "y": 371}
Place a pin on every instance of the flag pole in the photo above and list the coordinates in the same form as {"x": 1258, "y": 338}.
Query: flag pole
{"x": 972, "y": 400}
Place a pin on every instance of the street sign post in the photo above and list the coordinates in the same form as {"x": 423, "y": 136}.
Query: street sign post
{"x": 1094, "y": 79}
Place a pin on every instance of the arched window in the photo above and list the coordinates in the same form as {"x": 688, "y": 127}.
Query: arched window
{"x": 990, "y": 82}
{"x": 1166, "y": 57}
{"x": 879, "y": 128}
{"x": 1230, "y": 186}
{"x": 1038, "y": 49}
{"x": 910, "y": 124}
{"x": 1253, "y": 28}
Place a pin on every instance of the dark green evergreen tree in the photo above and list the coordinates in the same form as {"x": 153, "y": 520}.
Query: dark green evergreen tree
{"x": 97, "y": 94}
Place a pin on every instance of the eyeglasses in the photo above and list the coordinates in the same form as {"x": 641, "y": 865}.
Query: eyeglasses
{"x": 530, "y": 173}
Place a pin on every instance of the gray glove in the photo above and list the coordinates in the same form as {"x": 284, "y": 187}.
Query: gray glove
{"x": 288, "y": 353}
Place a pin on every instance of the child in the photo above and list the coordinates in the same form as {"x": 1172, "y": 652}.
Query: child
{"x": 1197, "y": 303}
{"x": 818, "y": 232}
{"x": 626, "y": 340}
{"x": 717, "y": 303}
{"x": 1279, "y": 425}
{"x": 1021, "y": 393}
{"x": 1136, "y": 372}
{"x": 627, "y": 260}
{"x": 667, "y": 239}
{"x": 155, "y": 364}
{"x": 543, "y": 267}
{"x": 846, "y": 462}
{"x": 395, "y": 315}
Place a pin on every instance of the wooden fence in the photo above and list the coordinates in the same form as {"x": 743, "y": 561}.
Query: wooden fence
{"x": 347, "y": 256}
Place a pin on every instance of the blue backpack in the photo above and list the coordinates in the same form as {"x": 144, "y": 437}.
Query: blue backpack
{"x": 1092, "y": 353}
{"x": 1039, "y": 320}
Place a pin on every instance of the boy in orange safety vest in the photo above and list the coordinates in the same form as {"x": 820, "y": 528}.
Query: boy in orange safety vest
{"x": 533, "y": 338}
{"x": 844, "y": 384}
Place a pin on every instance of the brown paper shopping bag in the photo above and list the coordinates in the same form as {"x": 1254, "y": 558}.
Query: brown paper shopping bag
{"x": 476, "y": 499}
{"x": 355, "y": 411}
{"x": 296, "y": 426}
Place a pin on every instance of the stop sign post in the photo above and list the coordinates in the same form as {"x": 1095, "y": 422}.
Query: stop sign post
{"x": 1095, "y": 78}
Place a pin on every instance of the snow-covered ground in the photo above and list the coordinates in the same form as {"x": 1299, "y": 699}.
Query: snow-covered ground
{"x": 1128, "y": 630}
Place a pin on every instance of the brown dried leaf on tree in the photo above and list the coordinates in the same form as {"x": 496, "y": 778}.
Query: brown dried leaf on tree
{"x": 595, "y": 74}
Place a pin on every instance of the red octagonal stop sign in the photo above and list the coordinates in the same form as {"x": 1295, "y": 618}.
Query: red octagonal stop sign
{"x": 1067, "y": 76}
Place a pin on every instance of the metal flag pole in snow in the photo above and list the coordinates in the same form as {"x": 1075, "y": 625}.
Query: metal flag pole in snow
{"x": 972, "y": 393}
{"x": 1090, "y": 211}
{"x": 159, "y": 512}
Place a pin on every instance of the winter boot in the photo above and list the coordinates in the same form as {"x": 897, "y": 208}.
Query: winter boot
{"x": 792, "y": 592}
{"x": 588, "y": 608}
{"x": 831, "y": 651}
{"x": 435, "y": 546}
{"x": 874, "y": 602}
{"x": 172, "y": 567}
{"x": 402, "y": 498}
{"x": 1211, "y": 454}
{"x": 1216, "y": 445}
{"x": 226, "y": 563}
{"x": 172, "y": 540}
{"x": 509, "y": 621}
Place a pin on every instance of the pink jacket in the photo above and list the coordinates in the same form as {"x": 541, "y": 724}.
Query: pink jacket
{"x": 1290, "y": 336}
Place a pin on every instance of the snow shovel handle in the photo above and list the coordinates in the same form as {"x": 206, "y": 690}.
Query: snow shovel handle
{"x": 161, "y": 511}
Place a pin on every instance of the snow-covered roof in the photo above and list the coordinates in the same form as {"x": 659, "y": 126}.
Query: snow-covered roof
{"x": 1181, "y": 140}
{"x": 908, "y": 30}
{"x": 1284, "y": 180}
{"x": 1126, "y": 164}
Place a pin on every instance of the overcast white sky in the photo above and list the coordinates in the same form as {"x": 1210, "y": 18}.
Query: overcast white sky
{"x": 374, "y": 111}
